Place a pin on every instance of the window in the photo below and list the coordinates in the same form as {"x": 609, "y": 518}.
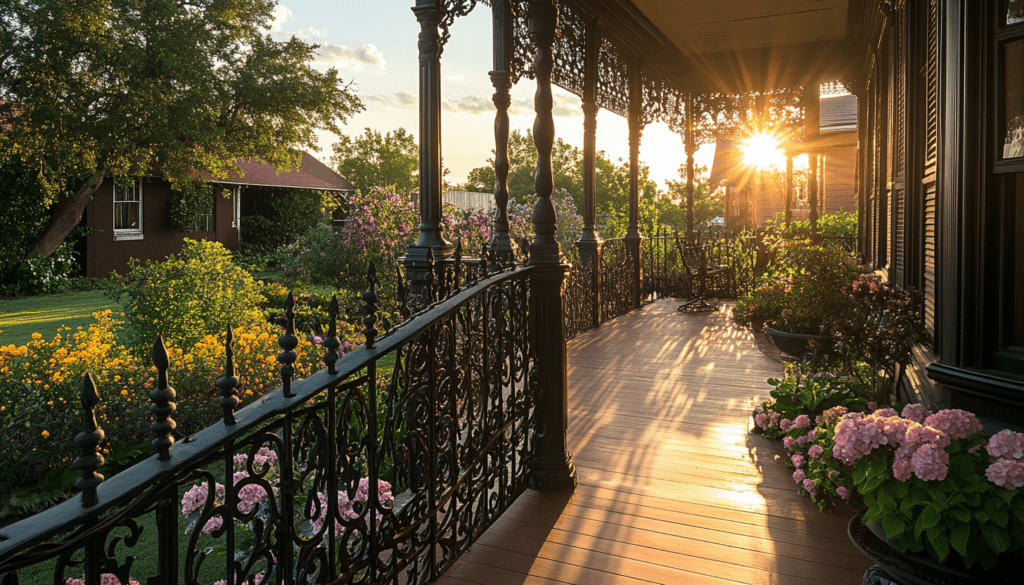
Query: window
{"x": 128, "y": 211}
{"x": 1008, "y": 188}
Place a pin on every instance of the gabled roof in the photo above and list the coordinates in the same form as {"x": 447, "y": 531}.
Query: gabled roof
{"x": 311, "y": 174}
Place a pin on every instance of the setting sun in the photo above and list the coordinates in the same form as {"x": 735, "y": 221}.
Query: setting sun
{"x": 762, "y": 151}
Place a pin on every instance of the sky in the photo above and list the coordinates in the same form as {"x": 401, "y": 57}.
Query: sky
{"x": 373, "y": 44}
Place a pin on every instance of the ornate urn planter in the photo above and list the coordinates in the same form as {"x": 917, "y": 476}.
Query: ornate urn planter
{"x": 795, "y": 344}
{"x": 901, "y": 568}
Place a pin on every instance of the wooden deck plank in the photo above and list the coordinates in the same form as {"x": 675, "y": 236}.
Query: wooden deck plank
{"x": 672, "y": 487}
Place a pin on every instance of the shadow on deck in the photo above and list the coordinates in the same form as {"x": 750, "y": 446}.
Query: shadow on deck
{"x": 672, "y": 488}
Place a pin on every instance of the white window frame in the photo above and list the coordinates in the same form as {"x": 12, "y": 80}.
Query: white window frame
{"x": 127, "y": 233}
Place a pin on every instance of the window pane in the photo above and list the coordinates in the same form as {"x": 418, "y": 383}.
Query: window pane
{"x": 1013, "y": 90}
{"x": 1014, "y": 11}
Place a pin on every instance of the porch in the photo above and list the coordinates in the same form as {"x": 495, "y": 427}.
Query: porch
{"x": 671, "y": 487}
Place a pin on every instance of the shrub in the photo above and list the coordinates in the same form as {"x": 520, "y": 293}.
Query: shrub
{"x": 196, "y": 293}
{"x": 283, "y": 218}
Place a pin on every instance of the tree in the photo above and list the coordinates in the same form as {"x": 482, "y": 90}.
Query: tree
{"x": 708, "y": 201}
{"x": 374, "y": 160}
{"x": 98, "y": 88}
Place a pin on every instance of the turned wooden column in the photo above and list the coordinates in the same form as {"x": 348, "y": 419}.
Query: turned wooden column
{"x": 691, "y": 149}
{"x": 590, "y": 242}
{"x": 552, "y": 469}
{"x": 501, "y": 79}
{"x": 633, "y": 238}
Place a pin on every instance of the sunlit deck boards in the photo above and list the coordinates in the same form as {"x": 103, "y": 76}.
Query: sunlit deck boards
{"x": 672, "y": 488}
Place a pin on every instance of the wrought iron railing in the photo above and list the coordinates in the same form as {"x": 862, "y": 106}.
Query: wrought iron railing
{"x": 382, "y": 468}
{"x": 580, "y": 297}
{"x": 618, "y": 279}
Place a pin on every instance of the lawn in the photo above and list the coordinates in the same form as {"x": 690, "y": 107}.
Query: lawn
{"x": 20, "y": 318}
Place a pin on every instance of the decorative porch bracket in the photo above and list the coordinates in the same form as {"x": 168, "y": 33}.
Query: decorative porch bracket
{"x": 553, "y": 469}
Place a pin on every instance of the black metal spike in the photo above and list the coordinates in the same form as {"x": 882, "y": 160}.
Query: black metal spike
{"x": 331, "y": 342}
{"x": 288, "y": 342}
{"x": 428, "y": 278}
{"x": 88, "y": 442}
{"x": 403, "y": 294}
{"x": 370, "y": 306}
{"x": 228, "y": 385}
{"x": 163, "y": 405}
{"x": 458, "y": 264}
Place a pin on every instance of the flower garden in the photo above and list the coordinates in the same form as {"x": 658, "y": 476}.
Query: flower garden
{"x": 935, "y": 482}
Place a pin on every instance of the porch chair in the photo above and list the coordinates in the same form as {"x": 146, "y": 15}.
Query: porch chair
{"x": 694, "y": 256}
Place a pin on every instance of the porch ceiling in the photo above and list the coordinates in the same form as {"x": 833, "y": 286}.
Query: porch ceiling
{"x": 715, "y": 26}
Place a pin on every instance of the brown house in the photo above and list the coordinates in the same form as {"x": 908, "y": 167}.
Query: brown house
{"x": 134, "y": 222}
{"x": 754, "y": 196}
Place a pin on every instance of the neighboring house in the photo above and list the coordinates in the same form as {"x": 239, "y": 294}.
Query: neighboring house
{"x": 752, "y": 196}
{"x": 134, "y": 222}
{"x": 470, "y": 200}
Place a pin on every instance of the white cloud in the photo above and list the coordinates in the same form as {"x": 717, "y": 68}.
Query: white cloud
{"x": 344, "y": 57}
{"x": 281, "y": 15}
{"x": 455, "y": 77}
{"x": 402, "y": 100}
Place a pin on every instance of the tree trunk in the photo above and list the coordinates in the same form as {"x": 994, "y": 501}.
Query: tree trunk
{"x": 66, "y": 215}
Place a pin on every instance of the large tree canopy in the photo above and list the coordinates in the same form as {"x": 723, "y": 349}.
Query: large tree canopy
{"x": 115, "y": 88}
{"x": 379, "y": 160}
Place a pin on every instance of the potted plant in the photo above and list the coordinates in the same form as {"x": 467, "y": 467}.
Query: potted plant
{"x": 942, "y": 500}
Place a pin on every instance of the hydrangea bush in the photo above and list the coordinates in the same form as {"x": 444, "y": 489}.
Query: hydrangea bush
{"x": 935, "y": 482}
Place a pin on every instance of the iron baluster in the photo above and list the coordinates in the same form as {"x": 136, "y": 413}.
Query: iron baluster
{"x": 288, "y": 343}
{"x": 163, "y": 404}
{"x": 88, "y": 442}
{"x": 229, "y": 383}
{"x": 331, "y": 342}
{"x": 370, "y": 306}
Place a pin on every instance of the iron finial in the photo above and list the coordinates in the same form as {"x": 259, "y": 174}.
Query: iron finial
{"x": 288, "y": 342}
{"x": 229, "y": 383}
{"x": 163, "y": 405}
{"x": 331, "y": 342}
{"x": 88, "y": 442}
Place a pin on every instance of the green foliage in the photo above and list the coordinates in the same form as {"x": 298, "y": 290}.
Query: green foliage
{"x": 818, "y": 278}
{"x": 23, "y": 200}
{"x": 804, "y": 391}
{"x": 195, "y": 293}
{"x": 42, "y": 274}
{"x": 708, "y": 200}
{"x": 374, "y": 160}
{"x": 188, "y": 205}
{"x": 283, "y": 218}
{"x": 98, "y": 89}
{"x": 962, "y": 518}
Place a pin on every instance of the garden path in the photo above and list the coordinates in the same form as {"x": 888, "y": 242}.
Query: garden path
{"x": 672, "y": 488}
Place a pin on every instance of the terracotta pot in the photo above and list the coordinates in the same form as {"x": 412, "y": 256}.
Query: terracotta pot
{"x": 894, "y": 565}
{"x": 795, "y": 344}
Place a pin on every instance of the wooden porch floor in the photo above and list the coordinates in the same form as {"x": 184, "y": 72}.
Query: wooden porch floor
{"x": 671, "y": 486}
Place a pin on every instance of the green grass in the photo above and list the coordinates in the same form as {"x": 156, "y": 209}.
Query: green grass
{"x": 20, "y": 318}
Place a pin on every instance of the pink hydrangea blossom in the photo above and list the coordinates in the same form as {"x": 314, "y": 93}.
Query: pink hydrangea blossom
{"x": 347, "y": 507}
{"x": 801, "y": 421}
{"x": 789, "y": 443}
{"x": 1006, "y": 444}
{"x": 922, "y": 434}
{"x": 804, "y": 439}
{"x": 896, "y": 429}
{"x": 797, "y": 460}
{"x": 105, "y": 579}
{"x": 833, "y": 414}
{"x": 843, "y": 492}
{"x": 872, "y": 406}
{"x": 785, "y": 424}
{"x": 256, "y": 579}
{"x": 761, "y": 420}
{"x": 250, "y": 494}
{"x": 195, "y": 498}
{"x": 799, "y": 475}
{"x": 262, "y": 457}
{"x": 1008, "y": 473}
{"x": 901, "y": 468}
{"x": 930, "y": 462}
{"x": 958, "y": 424}
{"x": 885, "y": 413}
{"x": 809, "y": 485}
{"x": 816, "y": 451}
{"x": 857, "y": 436}
{"x": 916, "y": 412}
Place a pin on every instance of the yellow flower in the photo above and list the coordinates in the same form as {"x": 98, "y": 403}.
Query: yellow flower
{"x": 46, "y": 434}
{"x": 37, "y": 336}
{"x": 124, "y": 393}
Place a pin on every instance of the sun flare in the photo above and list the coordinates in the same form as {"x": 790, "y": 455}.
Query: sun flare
{"x": 762, "y": 151}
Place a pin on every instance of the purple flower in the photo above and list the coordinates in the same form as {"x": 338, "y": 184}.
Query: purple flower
{"x": 785, "y": 424}
{"x": 801, "y": 421}
{"x": 958, "y": 424}
{"x": 789, "y": 443}
{"x": 843, "y": 492}
{"x": 1007, "y": 473}
{"x": 915, "y": 412}
{"x": 1006, "y": 444}
{"x": 816, "y": 451}
{"x": 930, "y": 462}
{"x": 799, "y": 475}
{"x": 797, "y": 460}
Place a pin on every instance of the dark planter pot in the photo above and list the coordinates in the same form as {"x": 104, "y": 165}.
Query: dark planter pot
{"x": 795, "y": 344}
{"x": 901, "y": 568}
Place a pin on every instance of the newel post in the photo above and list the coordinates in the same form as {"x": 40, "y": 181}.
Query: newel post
{"x": 553, "y": 469}
{"x": 501, "y": 78}
{"x": 590, "y": 242}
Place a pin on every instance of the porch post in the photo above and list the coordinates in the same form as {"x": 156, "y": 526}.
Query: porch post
{"x": 691, "y": 149}
{"x": 590, "y": 242}
{"x": 501, "y": 79}
{"x": 428, "y": 13}
{"x": 789, "y": 189}
{"x": 632, "y": 238}
{"x": 812, "y": 191}
{"x": 553, "y": 469}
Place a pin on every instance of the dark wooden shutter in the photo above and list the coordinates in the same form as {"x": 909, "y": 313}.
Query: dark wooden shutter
{"x": 931, "y": 165}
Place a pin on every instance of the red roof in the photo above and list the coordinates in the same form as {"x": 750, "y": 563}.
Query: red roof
{"x": 312, "y": 174}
